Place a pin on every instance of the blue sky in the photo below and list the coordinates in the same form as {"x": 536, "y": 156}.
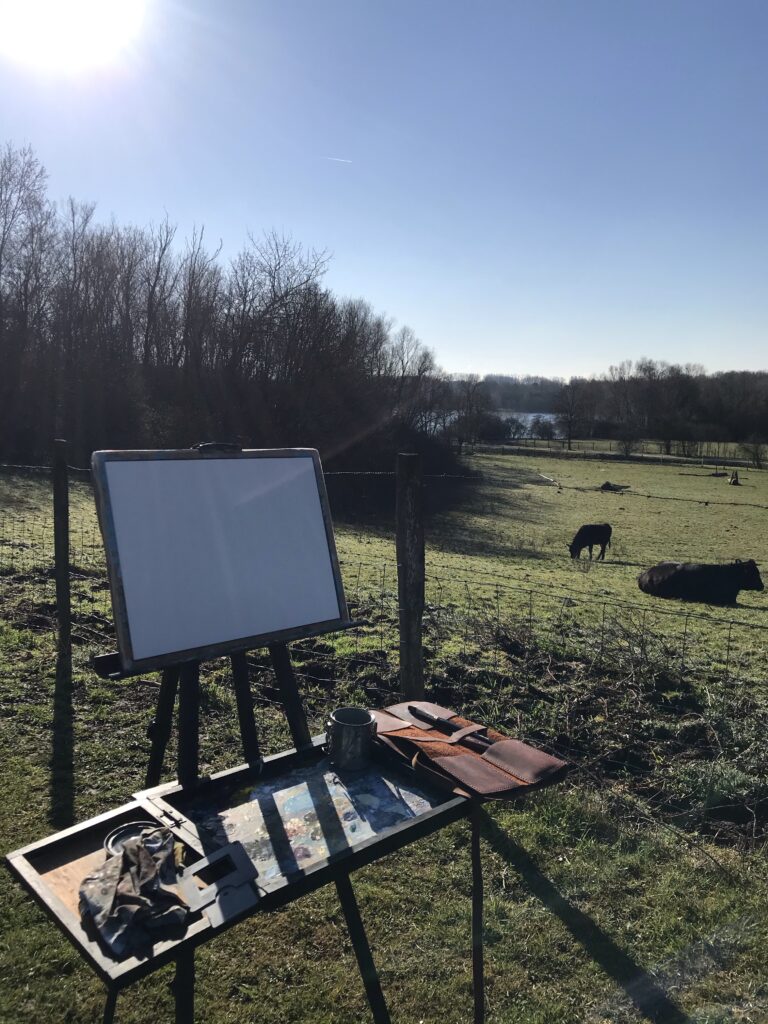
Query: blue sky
{"x": 534, "y": 187}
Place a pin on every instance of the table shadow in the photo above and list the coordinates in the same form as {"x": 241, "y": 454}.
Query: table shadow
{"x": 644, "y": 991}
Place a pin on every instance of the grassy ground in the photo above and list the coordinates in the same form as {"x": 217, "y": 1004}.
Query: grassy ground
{"x": 634, "y": 891}
{"x": 727, "y": 452}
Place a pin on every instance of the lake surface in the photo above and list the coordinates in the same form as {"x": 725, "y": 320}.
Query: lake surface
{"x": 526, "y": 417}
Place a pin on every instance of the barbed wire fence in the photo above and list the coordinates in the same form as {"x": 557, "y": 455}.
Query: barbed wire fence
{"x": 518, "y": 655}
{"x": 457, "y": 598}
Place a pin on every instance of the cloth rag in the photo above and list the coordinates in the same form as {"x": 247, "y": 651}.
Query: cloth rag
{"x": 134, "y": 895}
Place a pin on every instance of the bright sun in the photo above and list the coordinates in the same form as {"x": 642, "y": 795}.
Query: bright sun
{"x": 68, "y": 35}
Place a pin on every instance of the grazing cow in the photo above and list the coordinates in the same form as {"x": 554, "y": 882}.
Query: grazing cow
{"x": 693, "y": 581}
{"x": 588, "y": 536}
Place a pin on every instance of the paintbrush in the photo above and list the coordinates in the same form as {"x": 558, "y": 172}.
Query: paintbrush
{"x": 473, "y": 741}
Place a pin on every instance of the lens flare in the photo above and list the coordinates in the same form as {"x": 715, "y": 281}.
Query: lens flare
{"x": 68, "y": 35}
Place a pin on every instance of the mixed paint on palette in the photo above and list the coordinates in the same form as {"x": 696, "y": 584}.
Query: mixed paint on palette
{"x": 310, "y": 814}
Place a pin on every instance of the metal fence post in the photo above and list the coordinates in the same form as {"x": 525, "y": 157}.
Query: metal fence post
{"x": 410, "y": 573}
{"x": 728, "y": 654}
{"x": 685, "y": 640}
{"x": 602, "y": 638}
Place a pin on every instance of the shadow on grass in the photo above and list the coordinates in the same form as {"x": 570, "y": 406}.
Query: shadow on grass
{"x": 648, "y": 997}
{"x": 489, "y": 524}
{"x": 620, "y": 562}
{"x": 752, "y": 607}
{"x": 62, "y": 789}
{"x": 465, "y": 516}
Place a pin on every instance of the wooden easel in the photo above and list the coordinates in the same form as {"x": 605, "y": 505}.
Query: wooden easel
{"x": 183, "y": 678}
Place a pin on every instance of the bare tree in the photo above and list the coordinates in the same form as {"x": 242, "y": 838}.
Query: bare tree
{"x": 570, "y": 407}
{"x": 755, "y": 451}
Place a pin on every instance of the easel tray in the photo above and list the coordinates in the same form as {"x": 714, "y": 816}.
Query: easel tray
{"x": 300, "y": 823}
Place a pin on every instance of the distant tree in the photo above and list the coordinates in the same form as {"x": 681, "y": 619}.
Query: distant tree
{"x": 492, "y": 428}
{"x": 542, "y": 427}
{"x": 521, "y": 394}
{"x": 515, "y": 428}
{"x": 25, "y": 243}
{"x": 472, "y": 403}
{"x": 629, "y": 437}
{"x": 756, "y": 451}
{"x": 570, "y": 406}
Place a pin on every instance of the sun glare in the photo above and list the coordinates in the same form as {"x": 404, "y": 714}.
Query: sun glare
{"x": 68, "y": 35}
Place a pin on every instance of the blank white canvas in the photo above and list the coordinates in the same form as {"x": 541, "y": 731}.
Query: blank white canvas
{"x": 215, "y": 550}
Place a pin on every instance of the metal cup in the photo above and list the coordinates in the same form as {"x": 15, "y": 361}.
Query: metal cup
{"x": 349, "y": 733}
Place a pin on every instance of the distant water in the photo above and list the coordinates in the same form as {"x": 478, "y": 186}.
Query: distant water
{"x": 526, "y": 417}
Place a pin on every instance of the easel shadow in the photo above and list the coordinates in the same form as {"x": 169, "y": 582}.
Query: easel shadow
{"x": 646, "y": 994}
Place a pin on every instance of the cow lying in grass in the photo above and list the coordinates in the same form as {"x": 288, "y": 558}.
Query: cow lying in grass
{"x": 588, "y": 536}
{"x": 694, "y": 581}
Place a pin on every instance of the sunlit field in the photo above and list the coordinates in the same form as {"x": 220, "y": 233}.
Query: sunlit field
{"x": 635, "y": 890}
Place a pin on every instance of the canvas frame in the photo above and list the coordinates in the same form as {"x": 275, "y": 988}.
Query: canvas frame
{"x": 131, "y": 665}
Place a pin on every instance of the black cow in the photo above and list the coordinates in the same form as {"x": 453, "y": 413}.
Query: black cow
{"x": 588, "y": 536}
{"x": 694, "y": 581}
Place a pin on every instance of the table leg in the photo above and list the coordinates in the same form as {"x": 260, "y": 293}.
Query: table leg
{"x": 362, "y": 950}
{"x": 184, "y": 987}
{"x": 109, "y": 1006}
{"x": 478, "y": 980}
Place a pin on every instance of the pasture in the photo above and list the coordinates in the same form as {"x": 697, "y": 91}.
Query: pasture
{"x": 505, "y": 550}
{"x": 635, "y": 891}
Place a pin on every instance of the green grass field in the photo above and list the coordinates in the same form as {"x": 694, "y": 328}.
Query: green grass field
{"x": 634, "y": 891}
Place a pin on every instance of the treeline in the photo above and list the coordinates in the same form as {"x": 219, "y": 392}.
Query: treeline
{"x": 527, "y": 394}
{"x": 121, "y": 337}
{"x": 117, "y": 336}
{"x": 668, "y": 402}
{"x": 677, "y": 405}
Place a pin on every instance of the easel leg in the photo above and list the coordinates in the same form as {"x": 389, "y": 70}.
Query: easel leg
{"x": 248, "y": 732}
{"x": 184, "y": 987}
{"x": 362, "y": 950}
{"x": 189, "y": 723}
{"x": 294, "y": 712}
{"x": 161, "y": 726}
{"x": 478, "y": 980}
{"x": 109, "y": 1006}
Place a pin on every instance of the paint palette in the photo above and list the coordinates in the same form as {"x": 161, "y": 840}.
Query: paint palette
{"x": 308, "y": 815}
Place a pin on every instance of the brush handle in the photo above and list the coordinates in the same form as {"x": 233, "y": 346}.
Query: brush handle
{"x": 478, "y": 743}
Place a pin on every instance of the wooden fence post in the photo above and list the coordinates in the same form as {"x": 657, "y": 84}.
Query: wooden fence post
{"x": 410, "y": 573}
{"x": 61, "y": 550}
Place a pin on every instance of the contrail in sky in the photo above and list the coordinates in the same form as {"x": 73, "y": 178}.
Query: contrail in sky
{"x": 337, "y": 159}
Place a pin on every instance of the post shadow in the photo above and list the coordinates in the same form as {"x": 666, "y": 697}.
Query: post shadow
{"x": 62, "y": 785}
{"x": 646, "y": 994}
{"x": 327, "y": 815}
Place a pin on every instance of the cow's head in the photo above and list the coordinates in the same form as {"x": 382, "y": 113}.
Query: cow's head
{"x": 749, "y": 575}
{"x": 574, "y": 549}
